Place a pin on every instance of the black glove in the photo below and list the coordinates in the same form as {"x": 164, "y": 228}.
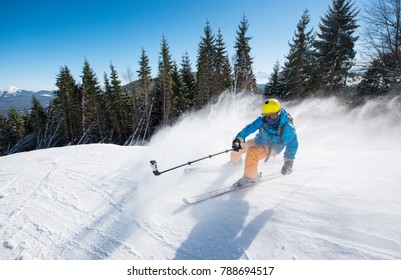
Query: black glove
{"x": 237, "y": 144}
{"x": 287, "y": 167}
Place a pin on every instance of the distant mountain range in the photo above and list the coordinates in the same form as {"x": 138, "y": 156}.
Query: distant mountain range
{"x": 21, "y": 100}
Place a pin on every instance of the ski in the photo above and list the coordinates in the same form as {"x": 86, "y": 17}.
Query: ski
{"x": 215, "y": 193}
{"x": 208, "y": 195}
{"x": 206, "y": 169}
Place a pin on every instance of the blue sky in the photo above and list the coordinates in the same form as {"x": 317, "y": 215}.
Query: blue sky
{"x": 39, "y": 37}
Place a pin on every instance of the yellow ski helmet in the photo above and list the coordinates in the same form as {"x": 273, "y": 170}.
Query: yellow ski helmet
{"x": 271, "y": 106}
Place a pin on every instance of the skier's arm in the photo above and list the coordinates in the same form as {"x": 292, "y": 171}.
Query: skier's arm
{"x": 249, "y": 129}
{"x": 290, "y": 141}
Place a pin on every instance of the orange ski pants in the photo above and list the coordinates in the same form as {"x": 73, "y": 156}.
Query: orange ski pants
{"x": 254, "y": 153}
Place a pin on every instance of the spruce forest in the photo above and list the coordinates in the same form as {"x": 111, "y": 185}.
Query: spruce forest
{"x": 319, "y": 63}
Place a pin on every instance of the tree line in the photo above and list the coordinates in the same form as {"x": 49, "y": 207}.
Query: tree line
{"x": 323, "y": 62}
{"x": 318, "y": 63}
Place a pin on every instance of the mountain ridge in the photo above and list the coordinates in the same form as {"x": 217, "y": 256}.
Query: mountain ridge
{"x": 21, "y": 100}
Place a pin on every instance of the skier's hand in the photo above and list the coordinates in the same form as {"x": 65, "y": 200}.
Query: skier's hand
{"x": 237, "y": 144}
{"x": 287, "y": 167}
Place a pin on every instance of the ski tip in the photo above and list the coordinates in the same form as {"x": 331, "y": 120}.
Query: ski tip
{"x": 187, "y": 200}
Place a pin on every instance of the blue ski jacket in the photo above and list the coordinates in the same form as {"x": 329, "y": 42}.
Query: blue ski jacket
{"x": 277, "y": 136}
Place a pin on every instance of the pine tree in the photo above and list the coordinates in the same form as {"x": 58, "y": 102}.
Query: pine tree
{"x": 54, "y": 132}
{"x": 300, "y": 68}
{"x": 188, "y": 79}
{"x": 335, "y": 46}
{"x": 180, "y": 102}
{"x": 122, "y": 106}
{"x": 16, "y": 128}
{"x": 36, "y": 122}
{"x": 16, "y": 123}
{"x": 222, "y": 64}
{"x": 90, "y": 89}
{"x": 244, "y": 78}
{"x": 206, "y": 68}
{"x": 143, "y": 100}
{"x": 273, "y": 87}
{"x": 66, "y": 109}
{"x": 144, "y": 78}
{"x": 163, "y": 94}
{"x": 12, "y": 130}
{"x": 4, "y": 134}
{"x": 109, "y": 115}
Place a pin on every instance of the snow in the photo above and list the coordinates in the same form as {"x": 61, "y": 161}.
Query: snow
{"x": 10, "y": 90}
{"x": 101, "y": 201}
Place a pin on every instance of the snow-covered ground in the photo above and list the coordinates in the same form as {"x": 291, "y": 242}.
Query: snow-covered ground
{"x": 342, "y": 202}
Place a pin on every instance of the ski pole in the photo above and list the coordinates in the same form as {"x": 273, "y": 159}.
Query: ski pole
{"x": 153, "y": 163}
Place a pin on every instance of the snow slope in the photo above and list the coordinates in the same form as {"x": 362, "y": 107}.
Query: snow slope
{"x": 343, "y": 200}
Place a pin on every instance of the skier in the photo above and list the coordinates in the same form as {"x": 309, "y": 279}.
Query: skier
{"x": 276, "y": 131}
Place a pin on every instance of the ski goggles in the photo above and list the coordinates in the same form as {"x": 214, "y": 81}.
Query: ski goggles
{"x": 271, "y": 116}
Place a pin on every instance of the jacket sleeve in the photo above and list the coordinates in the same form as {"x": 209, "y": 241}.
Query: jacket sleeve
{"x": 290, "y": 141}
{"x": 250, "y": 128}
